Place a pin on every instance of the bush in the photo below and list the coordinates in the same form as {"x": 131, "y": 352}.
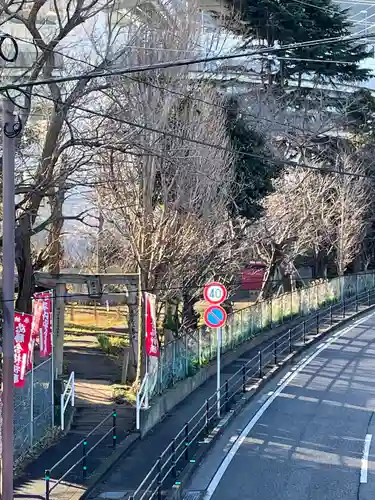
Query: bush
{"x": 111, "y": 345}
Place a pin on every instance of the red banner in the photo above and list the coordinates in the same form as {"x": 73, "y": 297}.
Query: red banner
{"x": 37, "y": 317}
{"x": 152, "y": 341}
{"x": 22, "y": 335}
{"x": 45, "y": 341}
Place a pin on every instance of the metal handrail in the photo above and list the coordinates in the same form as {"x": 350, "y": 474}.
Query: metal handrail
{"x": 141, "y": 397}
{"x": 69, "y": 390}
{"x": 162, "y": 470}
{"x": 86, "y": 452}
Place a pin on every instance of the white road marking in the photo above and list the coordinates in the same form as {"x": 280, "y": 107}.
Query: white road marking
{"x": 364, "y": 461}
{"x": 286, "y": 380}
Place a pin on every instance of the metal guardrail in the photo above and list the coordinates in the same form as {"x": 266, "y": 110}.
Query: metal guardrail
{"x": 51, "y": 484}
{"x": 179, "y": 451}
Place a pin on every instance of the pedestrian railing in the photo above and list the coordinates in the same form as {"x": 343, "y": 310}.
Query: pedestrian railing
{"x": 66, "y": 396}
{"x": 83, "y": 445}
{"x": 202, "y": 425}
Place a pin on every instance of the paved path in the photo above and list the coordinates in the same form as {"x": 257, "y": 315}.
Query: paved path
{"x": 83, "y": 355}
{"x": 308, "y": 437}
{"x": 95, "y": 372}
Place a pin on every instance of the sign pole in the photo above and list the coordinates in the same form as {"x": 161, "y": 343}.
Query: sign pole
{"x": 215, "y": 316}
{"x": 218, "y": 360}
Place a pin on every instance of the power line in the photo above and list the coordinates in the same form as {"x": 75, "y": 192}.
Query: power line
{"x": 179, "y": 63}
{"x": 188, "y": 95}
{"x": 204, "y": 101}
{"x": 207, "y": 144}
{"x": 234, "y": 283}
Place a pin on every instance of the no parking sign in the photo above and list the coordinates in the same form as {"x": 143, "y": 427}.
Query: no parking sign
{"x": 215, "y": 293}
{"x": 215, "y": 316}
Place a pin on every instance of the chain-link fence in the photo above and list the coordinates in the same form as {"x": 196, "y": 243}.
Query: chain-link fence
{"x": 33, "y": 408}
{"x": 183, "y": 357}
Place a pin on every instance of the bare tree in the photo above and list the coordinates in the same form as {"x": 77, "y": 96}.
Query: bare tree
{"x": 350, "y": 214}
{"x": 159, "y": 190}
{"x": 63, "y": 130}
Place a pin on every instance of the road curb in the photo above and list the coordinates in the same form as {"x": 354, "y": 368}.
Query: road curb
{"x": 177, "y": 490}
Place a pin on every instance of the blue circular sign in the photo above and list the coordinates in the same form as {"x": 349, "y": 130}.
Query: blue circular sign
{"x": 215, "y": 316}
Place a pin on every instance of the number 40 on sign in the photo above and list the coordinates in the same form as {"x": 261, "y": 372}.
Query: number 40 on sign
{"x": 215, "y": 293}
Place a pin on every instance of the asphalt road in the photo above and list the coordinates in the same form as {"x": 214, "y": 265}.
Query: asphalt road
{"x": 308, "y": 434}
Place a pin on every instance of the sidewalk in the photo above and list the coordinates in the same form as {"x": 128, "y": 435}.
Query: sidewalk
{"x": 128, "y": 472}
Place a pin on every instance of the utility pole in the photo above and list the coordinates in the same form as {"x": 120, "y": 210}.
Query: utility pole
{"x": 9, "y": 132}
{"x": 98, "y": 242}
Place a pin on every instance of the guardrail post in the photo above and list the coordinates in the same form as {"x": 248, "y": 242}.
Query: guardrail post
{"x": 244, "y": 378}
{"x": 304, "y": 332}
{"x": 317, "y": 323}
{"x": 330, "y": 315}
{"x": 84, "y": 460}
{"x": 260, "y": 364}
{"x": 290, "y": 340}
{"x": 114, "y": 429}
{"x": 159, "y": 478}
{"x": 174, "y": 470}
{"x": 73, "y": 388}
{"x": 200, "y": 346}
{"x": 343, "y": 309}
{"x": 226, "y": 396}
{"x": 207, "y": 416}
{"x": 137, "y": 411}
{"x": 62, "y": 416}
{"x": 275, "y": 351}
{"x": 356, "y": 302}
{"x": 47, "y": 476}
{"x": 187, "y": 441}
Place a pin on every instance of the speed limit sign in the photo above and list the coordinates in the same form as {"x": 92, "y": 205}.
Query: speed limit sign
{"x": 215, "y": 293}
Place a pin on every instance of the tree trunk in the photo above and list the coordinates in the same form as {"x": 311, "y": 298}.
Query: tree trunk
{"x": 24, "y": 265}
{"x": 59, "y": 318}
{"x": 267, "y": 284}
{"x": 55, "y": 248}
{"x": 189, "y": 316}
{"x": 320, "y": 267}
{"x": 286, "y": 281}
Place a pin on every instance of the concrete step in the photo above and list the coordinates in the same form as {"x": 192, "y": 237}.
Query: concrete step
{"x": 86, "y": 419}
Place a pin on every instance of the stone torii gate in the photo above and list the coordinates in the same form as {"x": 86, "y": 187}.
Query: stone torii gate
{"x": 94, "y": 284}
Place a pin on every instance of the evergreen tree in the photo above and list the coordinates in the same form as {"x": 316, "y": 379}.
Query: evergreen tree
{"x": 360, "y": 113}
{"x": 253, "y": 176}
{"x": 295, "y": 21}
